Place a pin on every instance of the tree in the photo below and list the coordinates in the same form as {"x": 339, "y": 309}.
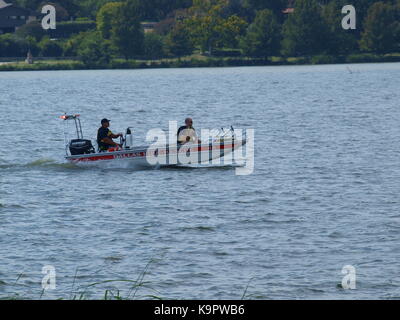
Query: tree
{"x": 231, "y": 29}
{"x": 94, "y": 51}
{"x": 33, "y": 29}
{"x": 381, "y": 29}
{"x": 177, "y": 42}
{"x": 153, "y": 46}
{"x": 50, "y": 48}
{"x": 263, "y": 36}
{"x": 127, "y": 34}
{"x": 339, "y": 41}
{"x": 72, "y": 45}
{"x": 304, "y": 31}
{"x": 208, "y": 27}
{"x": 105, "y": 17}
{"x": 31, "y": 45}
{"x": 10, "y": 46}
{"x": 237, "y": 7}
{"x": 205, "y": 21}
{"x": 362, "y": 7}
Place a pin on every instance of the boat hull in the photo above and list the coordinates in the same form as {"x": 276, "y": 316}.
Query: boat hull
{"x": 169, "y": 155}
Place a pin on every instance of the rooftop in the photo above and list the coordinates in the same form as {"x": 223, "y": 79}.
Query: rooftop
{"x": 3, "y": 4}
{"x": 288, "y": 10}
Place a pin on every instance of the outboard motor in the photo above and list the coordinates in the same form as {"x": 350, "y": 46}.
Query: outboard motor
{"x": 81, "y": 146}
{"x": 128, "y": 139}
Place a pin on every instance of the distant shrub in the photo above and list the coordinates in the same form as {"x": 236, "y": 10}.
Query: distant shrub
{"x": 226, "y": 53}
{"x": 123, "y": 64}
{"x": 94, "y": 51}
{"x": 62, "y": 65}
{"x": 323, "y": 59}
{"x": 13, "y": 46}
{"x": 363, "y": 57}
{"x": 50, "y": 48}
{"x": 33, "y": 29}
{"x": 298, "y": 60}
{"x": 247, "y": 62}
{"x": 391, "y": 58}
{"x": 153, "y": 46}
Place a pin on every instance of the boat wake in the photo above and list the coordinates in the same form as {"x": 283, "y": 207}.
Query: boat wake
{"x": 50, "y": 163}
{"x": 44, "y": 163}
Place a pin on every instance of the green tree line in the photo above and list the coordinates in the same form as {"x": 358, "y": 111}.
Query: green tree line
{"x": 104, "y": 30}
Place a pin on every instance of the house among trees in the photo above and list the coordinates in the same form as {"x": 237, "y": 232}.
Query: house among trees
{"x": 13, "y": 17}
{"x": 290, "y": 8}
{"x": 148, "y": 26}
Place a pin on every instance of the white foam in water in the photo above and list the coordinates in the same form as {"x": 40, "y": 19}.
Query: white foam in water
{"x": 111, "y": 164}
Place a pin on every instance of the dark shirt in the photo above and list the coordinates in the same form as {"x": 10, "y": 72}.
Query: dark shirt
{"x": 101, "y": 134}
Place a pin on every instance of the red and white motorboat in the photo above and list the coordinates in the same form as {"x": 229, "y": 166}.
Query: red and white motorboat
{"x": 81, "y": 151}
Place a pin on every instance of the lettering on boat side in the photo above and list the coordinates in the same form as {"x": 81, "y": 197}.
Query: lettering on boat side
{"x": 129, "y": 155}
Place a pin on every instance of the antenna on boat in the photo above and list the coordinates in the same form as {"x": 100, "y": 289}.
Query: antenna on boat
{"x": 78, "y": 127}
{"x": 77, "y": 121}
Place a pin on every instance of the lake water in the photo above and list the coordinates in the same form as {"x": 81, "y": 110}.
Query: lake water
{"x": 324, "y": 193}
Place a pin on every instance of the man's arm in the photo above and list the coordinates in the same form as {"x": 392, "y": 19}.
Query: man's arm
{"x": 115, "y": 136}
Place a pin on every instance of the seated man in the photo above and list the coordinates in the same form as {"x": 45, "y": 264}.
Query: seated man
{"x": 105, "y": 136}
{"x": 187, "y": 133}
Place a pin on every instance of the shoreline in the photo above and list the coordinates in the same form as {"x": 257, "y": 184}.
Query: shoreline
{"x": 199, "y": 62}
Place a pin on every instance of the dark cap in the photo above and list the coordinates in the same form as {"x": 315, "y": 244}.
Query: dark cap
{"x": 105, "y": 121}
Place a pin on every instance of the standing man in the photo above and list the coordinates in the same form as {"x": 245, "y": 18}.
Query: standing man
{"x": 187, "y": 133}
{"x": 105, "y": 136}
